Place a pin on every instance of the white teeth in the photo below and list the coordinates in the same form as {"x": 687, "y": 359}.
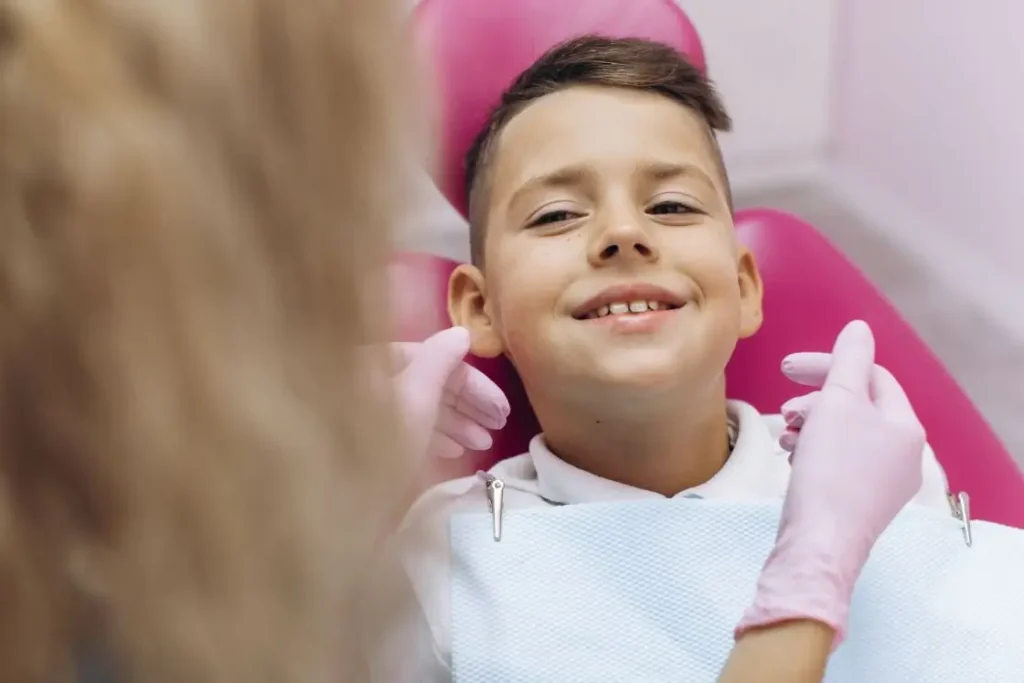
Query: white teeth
{"x": 637, "y": 306}
{"x": 621, "y": 308}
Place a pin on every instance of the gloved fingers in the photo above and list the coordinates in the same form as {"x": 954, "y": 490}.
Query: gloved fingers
{"x": 464, "y": 431}
{"x": 473, "y": 393}
{"x": 434, "y": 362}
{"x": 853, "y": 360}
{"x": 443, "y": 446}
{"x": 854, "y": 346}
{"x": 890, "y": 398}
{"x": 809, "y": 368}
{"x": 796, "y": 410}
{"x": 788, "y": 440}
{"x": 487, "y": 416}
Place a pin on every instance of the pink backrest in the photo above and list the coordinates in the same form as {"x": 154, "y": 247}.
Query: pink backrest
{"x": 477, "y": 47}
{"x": 811, "y": 291}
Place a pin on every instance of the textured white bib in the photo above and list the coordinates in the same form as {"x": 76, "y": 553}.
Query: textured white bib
{"x": 651, "y": 591}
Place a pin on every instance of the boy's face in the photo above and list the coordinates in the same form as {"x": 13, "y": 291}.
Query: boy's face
{"x": 610, "y": 254}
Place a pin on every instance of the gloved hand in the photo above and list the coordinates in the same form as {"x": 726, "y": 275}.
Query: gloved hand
{"x": 810, "y": 369}
{"x": 447, "y": 405}
{"x": 856, "y": 463}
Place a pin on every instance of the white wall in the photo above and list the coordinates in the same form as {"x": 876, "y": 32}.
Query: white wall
{"x": 929, "y": 141}
{"x": 772, "y": 61}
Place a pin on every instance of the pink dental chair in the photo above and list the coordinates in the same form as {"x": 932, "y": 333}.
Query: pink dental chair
{"x": 476, "y": 48}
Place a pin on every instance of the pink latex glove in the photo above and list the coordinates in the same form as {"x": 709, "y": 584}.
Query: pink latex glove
{"x": 856, "y": 463}
{"x": 448, "y": 405}
{"x": 810, "y": 369}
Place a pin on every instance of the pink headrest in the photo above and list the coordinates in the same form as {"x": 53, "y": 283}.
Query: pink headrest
{"x": 478, "y": 47}
{"x": 811, "y": 291}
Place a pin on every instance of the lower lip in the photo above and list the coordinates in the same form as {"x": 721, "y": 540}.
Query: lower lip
{"x": 635, "y": 323}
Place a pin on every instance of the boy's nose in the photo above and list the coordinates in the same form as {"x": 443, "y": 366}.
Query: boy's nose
{"x": 624, "y": 242}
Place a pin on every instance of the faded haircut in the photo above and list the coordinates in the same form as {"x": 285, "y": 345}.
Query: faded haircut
{"x": 592, "y": 60}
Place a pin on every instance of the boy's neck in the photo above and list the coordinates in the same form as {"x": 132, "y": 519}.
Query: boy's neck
{"x": 666, "y": 451}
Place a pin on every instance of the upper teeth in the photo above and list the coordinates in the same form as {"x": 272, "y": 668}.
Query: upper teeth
{"x": 621, "y": 307}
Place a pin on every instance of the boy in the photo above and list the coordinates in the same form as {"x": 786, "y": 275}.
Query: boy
{"x": 606, "y": 267}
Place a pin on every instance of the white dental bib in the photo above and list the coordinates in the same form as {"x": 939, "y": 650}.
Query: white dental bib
{"x": 651, "y": 591}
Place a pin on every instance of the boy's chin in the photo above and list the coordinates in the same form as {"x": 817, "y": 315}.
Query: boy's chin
{"x": 649, "y": 371}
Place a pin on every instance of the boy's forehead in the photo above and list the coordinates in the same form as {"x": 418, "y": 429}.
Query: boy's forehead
{"x": 603, "y": 129}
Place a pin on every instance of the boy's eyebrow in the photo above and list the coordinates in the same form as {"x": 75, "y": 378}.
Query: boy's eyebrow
{"x": 659, "y": 170}
{"x": 569, "y": 176}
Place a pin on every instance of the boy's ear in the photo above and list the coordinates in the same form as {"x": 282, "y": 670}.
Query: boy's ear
{"x": 751, "y": 294}
{"x": 468, "y": 307}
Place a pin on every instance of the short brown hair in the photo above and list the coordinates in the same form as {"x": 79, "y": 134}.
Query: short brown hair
{"x": 631, "y": 63}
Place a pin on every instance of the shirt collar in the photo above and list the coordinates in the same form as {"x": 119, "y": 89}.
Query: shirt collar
{"x": 740, "y": 477}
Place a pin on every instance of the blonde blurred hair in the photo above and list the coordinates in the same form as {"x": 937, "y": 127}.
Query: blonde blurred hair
{"x": 193, "y": 219}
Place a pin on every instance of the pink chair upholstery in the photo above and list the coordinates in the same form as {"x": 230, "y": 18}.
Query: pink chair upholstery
{"x": 478, "y": 47}
{"x": 811, "y": 291}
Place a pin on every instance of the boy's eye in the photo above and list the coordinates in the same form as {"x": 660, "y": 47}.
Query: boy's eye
{"x": 663, "y": 208}
{"x": 552, "y": 217}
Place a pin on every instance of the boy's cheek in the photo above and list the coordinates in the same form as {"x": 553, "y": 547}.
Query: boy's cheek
{"x": 525, "y": 345}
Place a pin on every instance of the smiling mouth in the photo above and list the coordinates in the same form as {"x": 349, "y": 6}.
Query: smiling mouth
{"x": 624, "y": 308}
